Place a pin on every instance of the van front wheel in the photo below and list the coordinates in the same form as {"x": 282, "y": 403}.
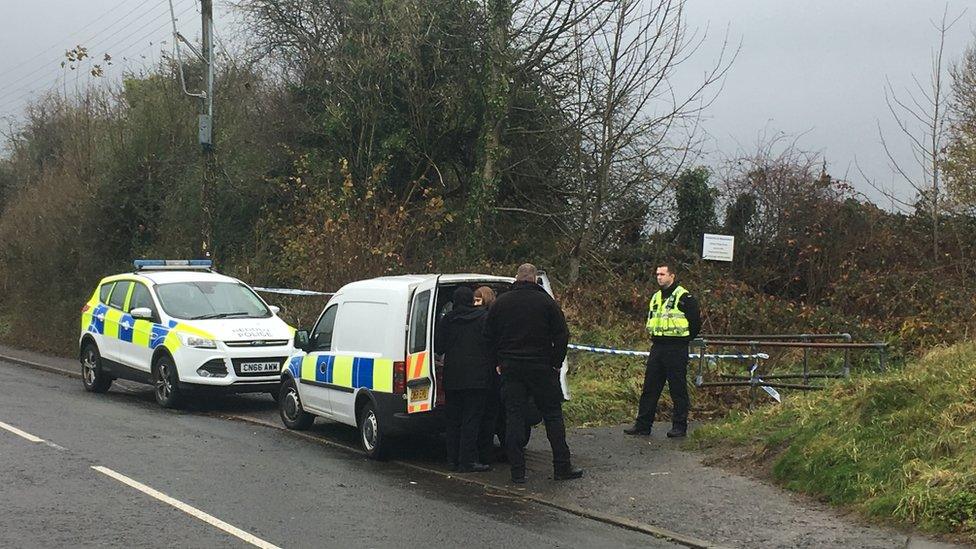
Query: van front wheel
{"x": 290, "y": 407}
{"x": 370, "y": 435}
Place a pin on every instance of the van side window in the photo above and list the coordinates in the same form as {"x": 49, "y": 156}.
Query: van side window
{"x": 104, "y": 292}
{"x": 363, "y": 329}
{"x": 118, "y": 294}
{"x": 418, "y": 322}
{"x": 322, "y": 335}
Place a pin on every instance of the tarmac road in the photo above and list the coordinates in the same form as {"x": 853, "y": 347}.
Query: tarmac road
{"x": 85, "y": 470}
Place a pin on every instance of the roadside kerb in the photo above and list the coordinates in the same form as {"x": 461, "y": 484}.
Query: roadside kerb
{"x": 605, "y": 518}
{"x": 39, "y": 366}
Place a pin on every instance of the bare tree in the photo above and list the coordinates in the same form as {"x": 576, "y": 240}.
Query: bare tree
{"x": 922, "y": 117}
{"x": 634, "y": 131}
{"x": 527, "y": 41}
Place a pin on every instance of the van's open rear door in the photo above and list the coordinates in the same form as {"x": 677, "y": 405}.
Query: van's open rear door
{"x": 420, "y": 348}
{"x": 543, "y": 281}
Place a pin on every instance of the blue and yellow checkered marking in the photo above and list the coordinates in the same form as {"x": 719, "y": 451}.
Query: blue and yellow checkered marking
{"x": 294, "y": 366}
{"x": 126, "y": 328}
{"x": 97, "y": 322}
{"x": 345, "y": 371}
{"x": 362, "y": 372}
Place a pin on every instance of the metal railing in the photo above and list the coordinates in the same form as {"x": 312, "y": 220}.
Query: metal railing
{"x": 756, "y": 342}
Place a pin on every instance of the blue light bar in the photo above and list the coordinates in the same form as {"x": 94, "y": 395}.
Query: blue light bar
{"x": 172, "y": 264}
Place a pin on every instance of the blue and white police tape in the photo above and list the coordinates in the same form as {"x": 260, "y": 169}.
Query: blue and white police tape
{"x": 610, "y": 351}
{"x": 289, "y": 291}
{"x": 607, "y": 350}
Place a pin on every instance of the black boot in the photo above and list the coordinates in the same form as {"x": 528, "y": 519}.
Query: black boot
{"x": 473, "y": 468}
{"x": 637, "y": 430}
{"x": 567, "y": 472}
{"x": 678, "y": 430}
{"x": 518, "y": 476}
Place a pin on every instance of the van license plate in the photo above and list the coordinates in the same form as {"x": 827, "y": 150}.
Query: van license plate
{"x": 258, "y": 367}
{"x": 419, "y": 393}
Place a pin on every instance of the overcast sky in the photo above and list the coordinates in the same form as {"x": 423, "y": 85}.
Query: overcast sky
{"x": 815, "y": 69}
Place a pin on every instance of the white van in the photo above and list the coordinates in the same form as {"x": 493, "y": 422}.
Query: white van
{"x": 368, "y": 361}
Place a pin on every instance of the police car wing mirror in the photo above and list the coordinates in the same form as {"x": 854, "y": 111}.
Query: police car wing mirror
{"x": 142, "y": 312}
{"x": 274, "y": 309}
{"x": 301, "y": 340}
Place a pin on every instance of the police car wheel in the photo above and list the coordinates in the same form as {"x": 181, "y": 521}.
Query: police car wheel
{"x": 370, "y": 435}
{"x": 93, "y": 376}
{"x": 165, "y": 381}
{"x": 290, "y": 407}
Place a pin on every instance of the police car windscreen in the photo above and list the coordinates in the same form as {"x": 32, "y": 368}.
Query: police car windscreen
{"x": 202, "y": 300}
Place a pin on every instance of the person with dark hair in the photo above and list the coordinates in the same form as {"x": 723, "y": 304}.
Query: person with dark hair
{"x": 673, "y": 320}
{"x": 527, "y": 339}
{"x": 467, "y": 371}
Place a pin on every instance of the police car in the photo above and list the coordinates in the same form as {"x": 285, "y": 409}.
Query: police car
{"x": 182, "y": 328}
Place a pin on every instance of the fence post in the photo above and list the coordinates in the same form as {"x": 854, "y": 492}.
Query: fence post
{"x": 847, "y": 356}
{"x": 806, "y": 360}
{"x": 754, "y": 374}
{"x": 701, "y": 362}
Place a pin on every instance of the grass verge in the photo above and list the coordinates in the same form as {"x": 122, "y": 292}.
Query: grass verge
{"x": 899, "y": 446}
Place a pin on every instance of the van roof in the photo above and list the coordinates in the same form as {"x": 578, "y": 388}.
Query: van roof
{"x": 406, "y": 282}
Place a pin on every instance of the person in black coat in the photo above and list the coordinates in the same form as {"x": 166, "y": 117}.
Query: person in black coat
{"x": 467, "y": 374}
{"x": 527, "y": 339}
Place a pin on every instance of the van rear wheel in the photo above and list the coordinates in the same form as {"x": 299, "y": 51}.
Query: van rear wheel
{"x": 370, "y": 434}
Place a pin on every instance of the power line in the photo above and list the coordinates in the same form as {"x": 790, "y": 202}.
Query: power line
{"x": 48, "y": 81}
{"x": 44, "y": 66}
{"x": 90, "y": 23}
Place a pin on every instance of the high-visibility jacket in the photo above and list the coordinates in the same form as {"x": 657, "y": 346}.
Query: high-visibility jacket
{"x": 664, "y": 319}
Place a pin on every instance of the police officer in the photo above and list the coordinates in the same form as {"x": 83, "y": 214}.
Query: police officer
{"x": 673, "y": 320}
{"x": 527, "y": 338}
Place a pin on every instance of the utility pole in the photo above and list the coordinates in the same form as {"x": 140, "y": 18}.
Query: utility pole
{"x": 205, "y": 126}
{"x": 206, "y": 118}
{"x": 206, "y": 130}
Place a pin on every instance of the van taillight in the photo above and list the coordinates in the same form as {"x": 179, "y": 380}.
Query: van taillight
{"x": 399, "y": 377}
{"x": 85, "y": 307}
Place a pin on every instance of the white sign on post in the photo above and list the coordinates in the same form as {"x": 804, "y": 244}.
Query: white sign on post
{"x": 717, "y": 247}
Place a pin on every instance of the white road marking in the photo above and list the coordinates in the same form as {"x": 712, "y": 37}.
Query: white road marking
{"x": 188, "y": 509}
{"x": 18, "y": 432}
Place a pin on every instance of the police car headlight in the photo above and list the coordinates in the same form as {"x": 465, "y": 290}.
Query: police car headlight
{"x": 198, "y": 342}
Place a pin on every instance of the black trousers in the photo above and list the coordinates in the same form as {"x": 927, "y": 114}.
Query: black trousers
{"x": 463, "y": 411}
{"x": 666, "y": 363}
{"x": 519, "y": 381}
{"x": 489, "y": 420}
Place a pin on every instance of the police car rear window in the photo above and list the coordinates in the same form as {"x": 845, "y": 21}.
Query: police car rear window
{"x": 104, "y": 291}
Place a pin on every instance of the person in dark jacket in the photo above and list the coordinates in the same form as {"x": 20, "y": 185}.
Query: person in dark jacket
{"x": 527, "y": 339}
{"x": 467, "y": 374}
{"x": 673, "y": 320}
{"x": 484, "y": 297}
